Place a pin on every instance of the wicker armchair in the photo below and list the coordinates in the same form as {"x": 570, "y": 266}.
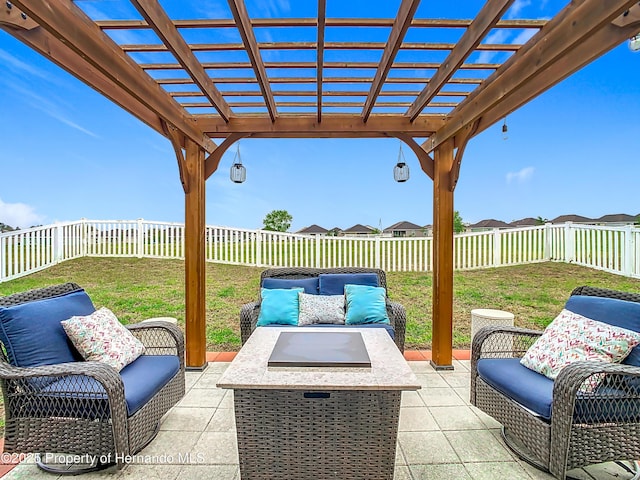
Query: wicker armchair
{"x": 396, "y": 312}
{"x": 87, "y": 415}
{"x": 583, "y": 428}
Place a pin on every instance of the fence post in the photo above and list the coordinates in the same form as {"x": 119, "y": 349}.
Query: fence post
{"x": 3, "y": 258}
{"x": 58, "y": 243}
{"x": 569, "y": 243}
{"x": 629, "y": 251}
{"x": 547, "y": 241}
{"x": 258, "y": 234}
{"x": 139, "y": 238}
{"x": 497, "y": 247}
{"x": 317, "y": 239}
{"x": 378, "y": 251}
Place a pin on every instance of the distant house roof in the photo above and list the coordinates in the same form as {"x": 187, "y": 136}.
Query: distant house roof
{"x": 525, "y": 222}
{"x": 313, "y": 229}
{"x": 403, "y": 226}
{"x": 358, "y": 228}
{"x": 490, "y": 223}
{"x": 572, "y": 218}
{"x": 617, "y": 217}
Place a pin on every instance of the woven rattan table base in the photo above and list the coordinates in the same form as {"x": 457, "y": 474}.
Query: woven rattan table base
{"x": 298, "y": 435}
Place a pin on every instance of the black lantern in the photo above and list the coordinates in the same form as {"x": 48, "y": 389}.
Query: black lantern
{"x": 238, "y": 173}
{"x": 401, "y": 170}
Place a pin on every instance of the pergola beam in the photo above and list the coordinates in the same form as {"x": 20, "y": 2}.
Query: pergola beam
{"x": 158, "y": 19}
{"x": 243, "y": 23}
{"x": 479, "y": 28}
{"x": 312, "y": 22}
{"x": 307, "y": 126}
{"x": 322, "y": 17}
{"x": 69, "y": 25}
{"x": 593, "y": 47}
{"x": 401, "y": 24}
{"x": 555, "y": 44}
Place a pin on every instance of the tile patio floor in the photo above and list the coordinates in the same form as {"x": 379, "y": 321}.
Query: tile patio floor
{"x": 440, "y": 437}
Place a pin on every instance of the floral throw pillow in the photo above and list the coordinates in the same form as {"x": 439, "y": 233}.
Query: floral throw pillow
{"x": 101, "y": 337}
{"x": 571, "y": 338}
{"x": 320, "y": 309}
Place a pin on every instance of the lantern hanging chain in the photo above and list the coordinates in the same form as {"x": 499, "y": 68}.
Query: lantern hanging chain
{"x": 236, "y": 159}
{"x": 401, "y": 156}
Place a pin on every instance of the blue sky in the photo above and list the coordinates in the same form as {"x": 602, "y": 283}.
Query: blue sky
{"x": 67, "y": 153}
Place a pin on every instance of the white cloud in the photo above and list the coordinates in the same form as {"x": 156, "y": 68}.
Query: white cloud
{"x": 517, "y": 7}
{"x": 18, "y": 66}
{"x": 19, "y": 215}
{"x": 521, "y": 176}
{"x": 50, "y": 108}
{"x": 499, "y": 36}
{"x": 524, "y": 36}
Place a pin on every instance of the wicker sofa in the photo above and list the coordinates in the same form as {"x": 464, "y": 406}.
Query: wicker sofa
{"x": 396, "y": 312}
{"x": 80, "y": 407}
{"x": 558, "y": 425}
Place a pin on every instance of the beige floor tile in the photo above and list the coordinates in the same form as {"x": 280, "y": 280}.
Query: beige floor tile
{"x": 222, "y": 421}
{"x": 426, "y": 448}
{"x": 202, "y": 398}
{"x": 188, "y": 419}
{"x": 447, "y": 471}
{"x": 209, "y": 472}
{"x": 478, "y": 446}
{"x": 411, "y": 399}
{"x": 496, "y": 470}
{"x": 459, "y": 417}
{"x": 416, "y": 419}
{"x": 434, "y": 397}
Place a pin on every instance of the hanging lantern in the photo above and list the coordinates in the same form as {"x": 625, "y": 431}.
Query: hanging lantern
{"x": 238, "y": 173}
{"x": 401, "y": 170}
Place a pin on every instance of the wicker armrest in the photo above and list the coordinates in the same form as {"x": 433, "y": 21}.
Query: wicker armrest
{"x": 159, "y": 338}
{"x": 248, "y": 319}
{"x": 502, "y": 342}
{"x": 398, "y": 318}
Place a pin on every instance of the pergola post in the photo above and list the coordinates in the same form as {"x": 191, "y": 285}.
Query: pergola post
{"x": 442, "y": 316}
{"x": 195, "y": 320}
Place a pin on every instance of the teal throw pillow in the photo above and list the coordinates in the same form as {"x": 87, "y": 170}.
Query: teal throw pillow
{"x": 365, "y": 304}
{"x": 279, "y": 306}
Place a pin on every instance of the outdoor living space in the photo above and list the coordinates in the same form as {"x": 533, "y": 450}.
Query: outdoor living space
{"x": 441, "y": 436}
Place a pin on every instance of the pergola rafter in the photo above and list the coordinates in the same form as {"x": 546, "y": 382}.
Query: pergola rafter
{"x": 322, "y": 83}
{"x": 157, "y": 18}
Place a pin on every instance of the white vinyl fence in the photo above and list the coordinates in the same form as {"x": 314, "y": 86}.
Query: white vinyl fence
{"x": 613, "y": 249}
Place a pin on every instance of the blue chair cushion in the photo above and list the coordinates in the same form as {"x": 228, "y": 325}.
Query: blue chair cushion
{"x": 515, "y": 381}
{"x": 142, "y": 379}
{"x": 32, "y": 333}
{"x": 333, "y": 283}
{"x": 310, "y": 285}
{"x": 535, "y": 392}
{"x": 620, "y": 313}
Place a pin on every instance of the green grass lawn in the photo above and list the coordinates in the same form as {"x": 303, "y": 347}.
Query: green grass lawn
{"x": 136, "y": 289}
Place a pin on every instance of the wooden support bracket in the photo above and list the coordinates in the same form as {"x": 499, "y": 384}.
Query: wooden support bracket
{"x": 212, "y": 162}
{"x": 13, "y": 17}
{"x": 461, "y": 141}
{"x": 426, "y": 161}
{"x": 177, "y": 140}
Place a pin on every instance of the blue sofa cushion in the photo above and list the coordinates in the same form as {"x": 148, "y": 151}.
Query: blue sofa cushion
{"x": 310, "y": 285}
{"x": 333, "y": 283}
{"x": 535, "y": 392}
{"x": 390, "y": 330}
{"x": 620, "y": 313}
{"x": 32, "y": 333}
{"x": 142, "y": 379}
{"x": 526, "y": 387}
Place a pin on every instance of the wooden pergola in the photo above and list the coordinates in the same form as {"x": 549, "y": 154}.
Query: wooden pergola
{"x": 205, "y": 83}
